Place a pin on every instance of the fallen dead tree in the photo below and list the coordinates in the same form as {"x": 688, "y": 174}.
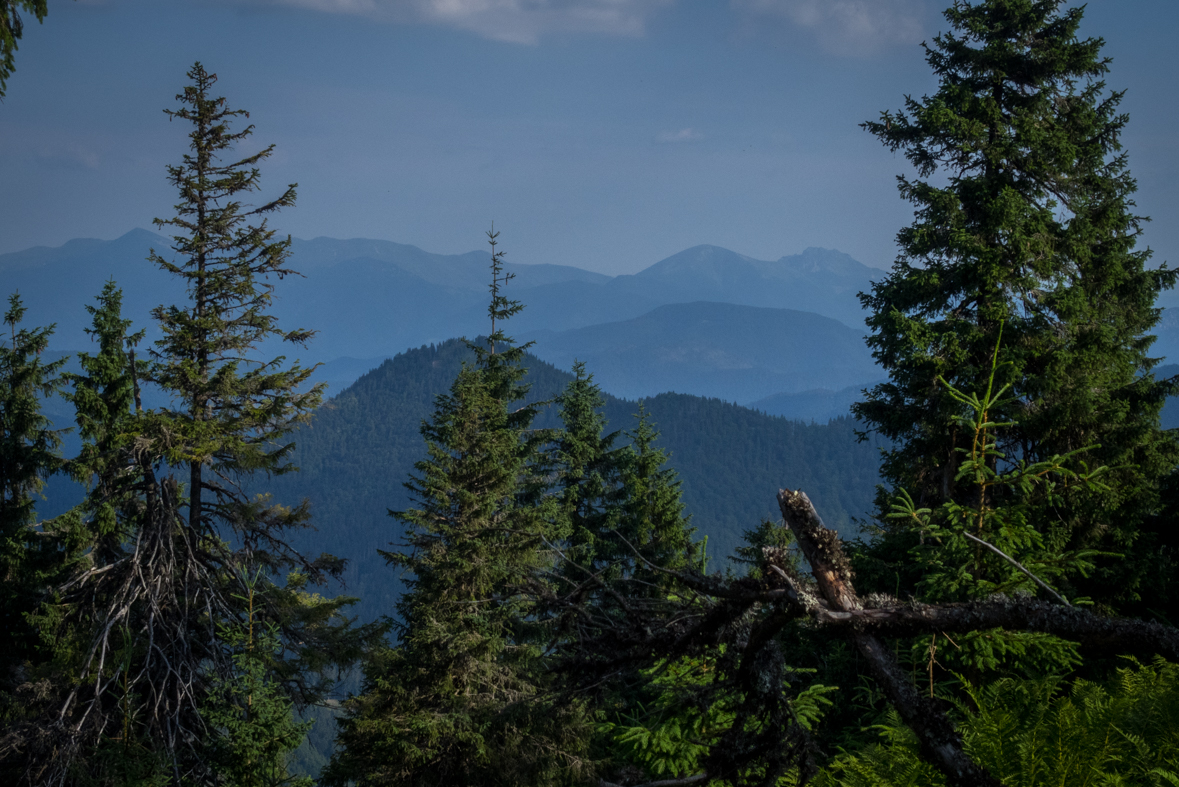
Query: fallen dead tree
{"x": 735, "y": 622}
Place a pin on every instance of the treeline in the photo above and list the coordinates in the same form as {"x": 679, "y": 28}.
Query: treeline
{"x": 559, "y": 624}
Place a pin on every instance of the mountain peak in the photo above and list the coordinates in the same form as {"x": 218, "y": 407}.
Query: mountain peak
{"x": 703, "y": 260}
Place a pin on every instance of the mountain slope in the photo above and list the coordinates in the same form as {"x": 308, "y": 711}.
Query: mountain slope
{"x": 360, "y": 449}
{"x": 740, "y": 353}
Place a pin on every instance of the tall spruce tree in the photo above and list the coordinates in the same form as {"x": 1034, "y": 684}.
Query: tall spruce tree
{"x": 460, "y": 699}
{"x": 1024, "y": 222}
{"x": 28, "y": 456}
{"x": 182, "y": 547}
{"x": 235, "y": 409}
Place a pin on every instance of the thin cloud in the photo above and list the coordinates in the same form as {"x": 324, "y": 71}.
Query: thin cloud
{"x": 845, "y": 27}
{"x": 515, "y": 21}
{"x": 683, "y": 135}
{"x": 67, "y": 156}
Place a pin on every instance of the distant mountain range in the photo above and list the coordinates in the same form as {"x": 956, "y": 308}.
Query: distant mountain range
{"x": 737, "y": 353}
{"x": 768, "y": 327}
{"x": 784, "y": 336}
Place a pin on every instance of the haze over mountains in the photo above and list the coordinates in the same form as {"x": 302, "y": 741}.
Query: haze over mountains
{"x": 732, "y": 352}
{"x": 706, "y": 321}
{"x": 783, "y": 336}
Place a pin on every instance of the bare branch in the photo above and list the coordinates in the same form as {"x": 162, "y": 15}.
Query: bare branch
{"x": 1019, "y": 566}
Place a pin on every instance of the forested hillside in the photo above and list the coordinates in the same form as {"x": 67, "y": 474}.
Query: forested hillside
{"x": 357, "y": 453}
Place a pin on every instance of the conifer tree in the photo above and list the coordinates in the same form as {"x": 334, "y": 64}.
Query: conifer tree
{"x": 1024, "y": 219}
{"x": 235, "y": 409}
{"x": 459, "y": 700}
{"x": 249, "y": 711}
{"x": 652, "y": 522}
{"x": 588, "y": 467}
{"x": 626, "y": 524}
{"x": 28, "y": 455}
{"x": 621, "y": 506}
{"x": 142, "y": 619}
{"x": 103, "y": 396}
{"x": 95, "y": 540}
{"x": 11, "y": 29}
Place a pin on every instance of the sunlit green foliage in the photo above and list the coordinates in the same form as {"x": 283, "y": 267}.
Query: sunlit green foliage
{"x": 670, "y": 736}
{"x": 1044, "y": 733}
{"x": 1004, "y": 512}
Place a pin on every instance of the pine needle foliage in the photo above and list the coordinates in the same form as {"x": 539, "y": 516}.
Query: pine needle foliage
{"x": 103, "y": 396}
{"x": 654, "y": 529}
{"x": 28, "y": 455}
{"x": 1024, "y": 217}
{"x": 234, "y": 408}
{"x": 256, "y": 728}
{"x": 153, "y": 571}
{"x": 996, "y": 541}
{"x": 587, "y": 464}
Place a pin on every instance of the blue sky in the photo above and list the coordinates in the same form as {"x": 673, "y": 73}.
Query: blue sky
{"x": 606, "y": 134}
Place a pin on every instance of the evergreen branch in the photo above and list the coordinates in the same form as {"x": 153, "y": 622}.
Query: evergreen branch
{"x": 1019, "y": 566}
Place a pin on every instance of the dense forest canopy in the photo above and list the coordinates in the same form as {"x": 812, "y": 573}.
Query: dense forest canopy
{"x": 550, "y": 614}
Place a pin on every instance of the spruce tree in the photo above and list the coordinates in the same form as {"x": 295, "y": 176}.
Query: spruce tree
{"x": 235, "y": 409}
{"x": 460, "y": 699}
{"x": 1024, "y": 221}
{"x": 588, "y": 468}
{"x": 653, "y": 527}
{"x": 626, "y": 527}
{"x": 96, "y": 539}
{"x": 621, "y": 507}
{"x": 28, "y": 455}
{"x": 175, "y": 525}
{"x": 103, "y": 396}
{"x": 256, "y": 730}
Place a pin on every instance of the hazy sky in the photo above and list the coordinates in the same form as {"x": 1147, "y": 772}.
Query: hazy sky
{"x": 606, "y": 134}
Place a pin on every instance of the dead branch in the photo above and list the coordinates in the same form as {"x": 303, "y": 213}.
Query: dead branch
{"x": 940, "y": 742}
{"x": 1094, "y": 633}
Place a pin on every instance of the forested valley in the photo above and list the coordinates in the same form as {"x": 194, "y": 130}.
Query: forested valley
{"x": 969, "y": 580}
